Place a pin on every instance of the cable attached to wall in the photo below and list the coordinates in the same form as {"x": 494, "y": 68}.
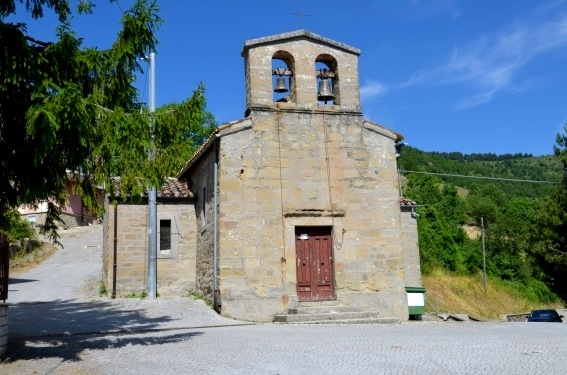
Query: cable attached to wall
{"x": 336, "y": 243}
{"x": 278, "y": 115}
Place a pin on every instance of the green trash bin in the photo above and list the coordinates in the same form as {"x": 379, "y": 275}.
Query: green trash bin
{"x": 416, "y": 302}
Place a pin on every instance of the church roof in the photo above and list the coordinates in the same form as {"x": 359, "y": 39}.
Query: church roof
{"x": 298, "y": 34}
{"x": 214, "y": 135}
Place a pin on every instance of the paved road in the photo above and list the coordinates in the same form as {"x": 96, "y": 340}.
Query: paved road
{"x": 61, "y": 296}
{"x": 82, "y": 333}
{"x": 63, "y": 276}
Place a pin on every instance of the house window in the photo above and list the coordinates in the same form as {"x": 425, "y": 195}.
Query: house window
{"x": 168, "y": 235}
{"x": 165, "y": 235}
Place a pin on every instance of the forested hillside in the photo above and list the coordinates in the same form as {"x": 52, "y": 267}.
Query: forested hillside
{"x": 507, "y": 166}
{"x": 520, "y": 200}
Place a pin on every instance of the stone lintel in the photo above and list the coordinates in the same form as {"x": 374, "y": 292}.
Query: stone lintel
{"x": 331, "y": 110}
{"x": 314, "y": 213}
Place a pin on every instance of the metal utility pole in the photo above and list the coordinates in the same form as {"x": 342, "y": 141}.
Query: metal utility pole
{"x": 152, "y": 196}
{"x": 483, "y": 253}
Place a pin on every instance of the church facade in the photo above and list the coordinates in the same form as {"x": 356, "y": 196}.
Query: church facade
{"x": 299, "y": 200}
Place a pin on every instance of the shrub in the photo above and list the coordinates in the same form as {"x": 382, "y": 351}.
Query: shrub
{"x": 16, "y": 228}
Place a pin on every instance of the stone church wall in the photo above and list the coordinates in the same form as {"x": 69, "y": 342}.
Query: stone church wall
{"x": 412, "y": 271}
{"x": 276, "y": 176}
{"x": 202, "y": 183}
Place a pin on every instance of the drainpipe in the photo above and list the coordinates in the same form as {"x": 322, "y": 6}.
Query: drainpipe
{"x": 216, "y": 294}
{"x": 115, "y": 265}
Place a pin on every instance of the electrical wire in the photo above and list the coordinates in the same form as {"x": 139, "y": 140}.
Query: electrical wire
{"x": 278, "y": 114}
{"x": 328, "y": 165}
{"x": 481, "y": 177}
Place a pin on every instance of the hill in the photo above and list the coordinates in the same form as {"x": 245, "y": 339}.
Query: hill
{"x": 446, "y": 293}
{"x": 475, "y": 166}
{"x": 512, "y": 198}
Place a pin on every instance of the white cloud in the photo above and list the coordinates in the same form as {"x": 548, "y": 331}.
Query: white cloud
{"x": 490, "y": 64}
{"x": 372, "y": 89}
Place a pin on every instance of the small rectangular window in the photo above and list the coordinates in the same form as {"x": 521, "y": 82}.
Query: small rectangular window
{"x": 164, "y": 235}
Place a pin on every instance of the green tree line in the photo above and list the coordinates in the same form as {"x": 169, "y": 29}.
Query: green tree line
{"x": 72, "y": 111}
{"x": 525, "y": 223}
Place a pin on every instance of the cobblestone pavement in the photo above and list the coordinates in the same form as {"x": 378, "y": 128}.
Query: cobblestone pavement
{"x": 409, "y": 348}
{"x": 82, "y": 333}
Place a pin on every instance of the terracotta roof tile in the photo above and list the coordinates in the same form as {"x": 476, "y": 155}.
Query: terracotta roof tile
{"x": 171, "y": 188}
{"x": 406, "y": 202}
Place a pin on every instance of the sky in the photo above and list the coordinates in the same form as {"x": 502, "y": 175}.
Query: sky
{"x": 450, "y": 75}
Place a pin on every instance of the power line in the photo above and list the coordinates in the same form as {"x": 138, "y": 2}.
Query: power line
{"x": 481, "y": 177}
{"x": 119, "y": 7}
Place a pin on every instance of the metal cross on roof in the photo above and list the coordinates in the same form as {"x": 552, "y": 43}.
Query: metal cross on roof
{"x": 301, "y": 15}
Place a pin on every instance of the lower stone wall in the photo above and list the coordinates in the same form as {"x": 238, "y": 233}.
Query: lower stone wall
{"x": 389, "y": 304}
{"x": 71, "y": 221}
{"x": 410, "y": 245}
{"x": 3, "y": 329}
{"x": 175, "y": 270}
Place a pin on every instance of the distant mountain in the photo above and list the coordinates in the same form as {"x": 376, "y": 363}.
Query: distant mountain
{"x": 490, "y": 166}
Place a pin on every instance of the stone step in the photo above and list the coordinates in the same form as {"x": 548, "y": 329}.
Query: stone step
{"x": 327, "y": 316}
{"x": 319, "y": 303}
{"x": 322, "y": 309}
{"x": 385, "y": 320}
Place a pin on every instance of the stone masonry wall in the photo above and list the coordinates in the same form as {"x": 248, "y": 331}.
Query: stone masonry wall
{"x": 410, "y": 243}
{"x": 275, "y": 176}
{"x": 175, "y": 274}
{"x": 202, "y": 177}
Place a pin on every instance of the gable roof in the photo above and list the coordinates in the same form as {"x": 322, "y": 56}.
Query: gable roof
{"x": 214, "y": 135}
{"x": 298, "y": 34}
{"x": 397, "y": 137}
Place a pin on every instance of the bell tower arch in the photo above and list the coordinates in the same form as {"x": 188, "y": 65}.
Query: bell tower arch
{"x": 303, "y": 63}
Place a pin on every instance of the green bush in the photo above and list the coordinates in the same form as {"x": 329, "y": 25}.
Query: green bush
{"x": 533, "y": 290}
{"x": 15, "y": 227}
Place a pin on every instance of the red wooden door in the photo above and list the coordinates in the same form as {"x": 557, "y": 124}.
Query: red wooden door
{"x": 315, "y": 275}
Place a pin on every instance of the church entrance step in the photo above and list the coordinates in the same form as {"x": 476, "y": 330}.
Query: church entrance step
{"x": 332, "y": 314}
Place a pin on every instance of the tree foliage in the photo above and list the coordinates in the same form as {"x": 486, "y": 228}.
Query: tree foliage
{"x": 550, "y": 234}
{"x": 525, "y": 233}
{"x": 73, "y": 111}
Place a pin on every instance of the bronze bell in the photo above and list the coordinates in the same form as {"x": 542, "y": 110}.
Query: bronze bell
{"x": 280, "y": 85}
{"x": 325, "y": 92}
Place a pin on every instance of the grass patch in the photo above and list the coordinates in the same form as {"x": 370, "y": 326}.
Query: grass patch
{"x": 24, "y": 261}
{"x": 447, "y": 293}
{"x": 142, "y": 294}
{"x": 198, "y": 296}
{"x": 102, "y": 289}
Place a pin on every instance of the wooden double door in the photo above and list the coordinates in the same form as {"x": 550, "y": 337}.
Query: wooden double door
{"x": 315, "y": 268}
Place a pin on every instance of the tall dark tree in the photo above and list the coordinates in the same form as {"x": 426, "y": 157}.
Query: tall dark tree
{"x": 67, "y": 110}
{"x": 551, "y": 232}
